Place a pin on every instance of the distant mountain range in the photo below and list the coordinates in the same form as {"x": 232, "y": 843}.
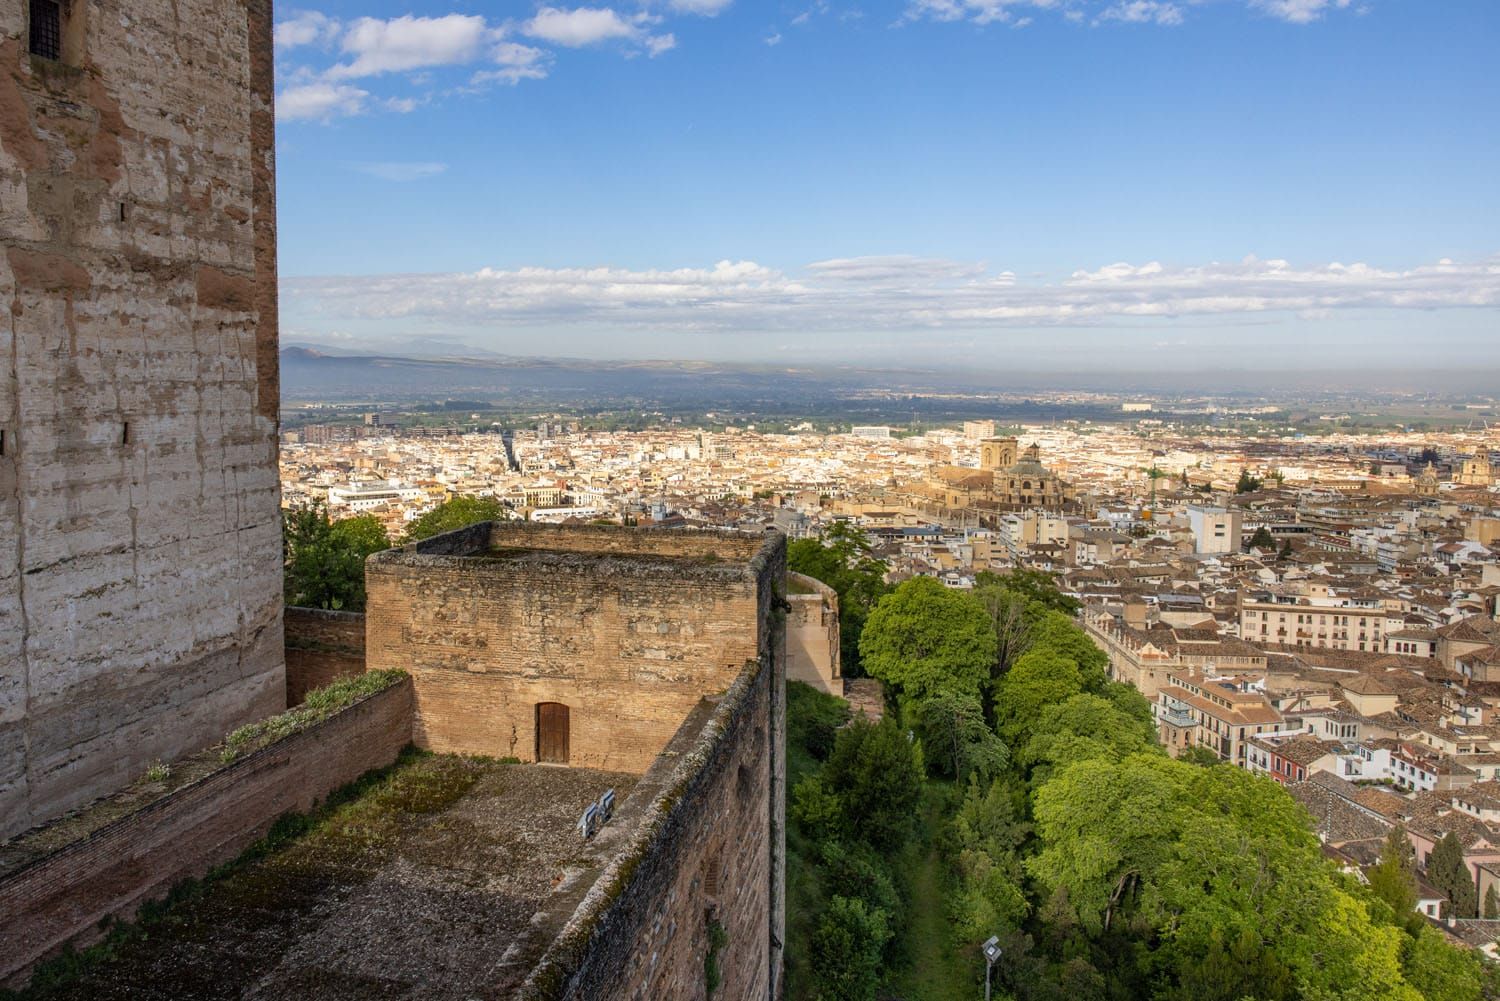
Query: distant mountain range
{"x": 308, "y": 372}
{"x": 316, "y": 372}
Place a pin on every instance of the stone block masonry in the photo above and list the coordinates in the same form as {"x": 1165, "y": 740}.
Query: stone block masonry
{"x": 140, "y": 591}
{"x": 625, "y": 630}
{"x": 624, "y": 650}
{"x": 56, "y": 885}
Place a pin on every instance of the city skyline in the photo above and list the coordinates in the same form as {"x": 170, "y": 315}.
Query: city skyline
{"x": 1053, "y": 184}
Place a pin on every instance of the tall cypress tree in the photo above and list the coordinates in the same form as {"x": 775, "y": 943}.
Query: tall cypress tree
{"x": 1393, "y": 878}
{"x": 1447, "y": 871}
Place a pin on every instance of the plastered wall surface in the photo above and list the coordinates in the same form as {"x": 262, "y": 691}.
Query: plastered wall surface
{"x": 140, "y": 599}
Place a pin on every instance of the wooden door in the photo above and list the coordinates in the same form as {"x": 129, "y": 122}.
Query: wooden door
{"x": 552, "y": 732}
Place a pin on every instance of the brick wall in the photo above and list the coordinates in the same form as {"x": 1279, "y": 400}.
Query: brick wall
{"x": 321, "y": 647}
{"x": 705, "y": 817}
{"x": 140, "y": 579}
{"x": 62, "y": 896}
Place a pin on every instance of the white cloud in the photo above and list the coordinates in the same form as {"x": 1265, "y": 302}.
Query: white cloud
{"x": 706, "y": 8}
{"x": 774, "y": 38}
{"x": 408, "y": 43}
{"x": 1299, "y": 11}
{"x": 320, "y": 101}
{"x": 305, "y": 28}
{"x": 581, "y": 26}
{"x": 584, "y": 26}
{"x": 887, "y": 293}
{"x": 400, "y": 171}
{"x": 516, "y": 62}
{"x": 1161, "y": 12}
{"x": 1143, "y": 12}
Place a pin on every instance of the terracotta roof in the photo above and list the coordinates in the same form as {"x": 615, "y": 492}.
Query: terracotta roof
{"x": 1364, "y": 684}
{"x": 1383, "y": 802}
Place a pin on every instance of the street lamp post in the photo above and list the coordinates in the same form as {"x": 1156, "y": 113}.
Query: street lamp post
{"x": 991, "y": 954}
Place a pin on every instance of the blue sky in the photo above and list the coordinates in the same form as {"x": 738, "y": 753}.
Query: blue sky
{"x": 1033, "y": 182}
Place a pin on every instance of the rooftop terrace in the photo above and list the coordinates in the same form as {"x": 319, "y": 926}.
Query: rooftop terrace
{"x": 420, "y": 882}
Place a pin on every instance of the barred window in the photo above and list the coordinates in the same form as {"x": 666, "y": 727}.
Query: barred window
{"x": 46, "y": 29}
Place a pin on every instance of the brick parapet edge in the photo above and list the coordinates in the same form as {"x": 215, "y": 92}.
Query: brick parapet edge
{"x": 62, "y": 897}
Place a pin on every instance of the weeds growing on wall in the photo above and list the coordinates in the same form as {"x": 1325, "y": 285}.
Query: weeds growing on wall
{"x": 320, "y": 704}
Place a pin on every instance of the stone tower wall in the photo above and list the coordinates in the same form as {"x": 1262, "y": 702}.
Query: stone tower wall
{"x": 140, "y": 591}
{"x": 998, "y": 453}
{"x": 629, "y": 647}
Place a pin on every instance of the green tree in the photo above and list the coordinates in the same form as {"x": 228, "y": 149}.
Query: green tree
{"x": 1059, "y": 634}
{"x": 1039, "y": 679}
{"x": 1261, "y": 539}
{"x": 454, "y": 513}
{"x": 1491, "y": 904}
{"x": 987, "y": 834}
{"x": 1394, "y": 877}
{"x": 1010, "y": 614}
{"x": 876, "y": 773}
{"x": 1247, "y": 484}
{"x": 324, "y": 560}
{"x": 1140, "y": 845}
{"x": 1447, "y": 871}
{"x": 956, "y": 738}
{"x": 924, "y": 638}
{"x": 1199, "y": 755}
{"x": 860, "y": 871}
{"x": 1080, "y": 728}
{"x": 1286, "y": 551}
{"x": 1440, "y": 971}
{"x": 1035, "y": 586}
{"x": 846, "y": 950}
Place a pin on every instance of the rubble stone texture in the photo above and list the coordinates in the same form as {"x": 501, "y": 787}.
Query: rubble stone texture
{"x": 140, "y": 594}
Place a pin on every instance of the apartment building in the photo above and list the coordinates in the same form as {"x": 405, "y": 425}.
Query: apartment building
{"x": 1216, "y": 713}
{"x": 1320, "y": 619}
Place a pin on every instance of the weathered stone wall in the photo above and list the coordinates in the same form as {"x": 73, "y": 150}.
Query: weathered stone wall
{"x": 812, "y": 634}
{"x": 60, "y": 896}
{"x": 702, "y": 850}
{"x": 321, "y": 647}
{"x": 140, "y": 593}
{"x": 629, "y": 629}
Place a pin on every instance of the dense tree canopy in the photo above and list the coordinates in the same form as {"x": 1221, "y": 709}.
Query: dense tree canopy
{"x": 324, "y": 560}
{"x": 924, "y": 638}
{"x": 1107, "y": 869}
{"x": 454, "y": 513}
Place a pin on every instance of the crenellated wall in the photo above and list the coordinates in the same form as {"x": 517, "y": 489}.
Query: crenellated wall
{"x": 628, "y": 630}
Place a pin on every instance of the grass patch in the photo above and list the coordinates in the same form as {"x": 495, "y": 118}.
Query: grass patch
{"x": 320, "y": 704}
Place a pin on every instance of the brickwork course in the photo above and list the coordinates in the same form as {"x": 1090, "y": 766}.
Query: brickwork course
{"x": 321, "y": 647}
{"x": 59, "y": 883}
{"x": 140, "y": 593}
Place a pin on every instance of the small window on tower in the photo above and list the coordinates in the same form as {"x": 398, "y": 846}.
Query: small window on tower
{"x": 46, "y": 28}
